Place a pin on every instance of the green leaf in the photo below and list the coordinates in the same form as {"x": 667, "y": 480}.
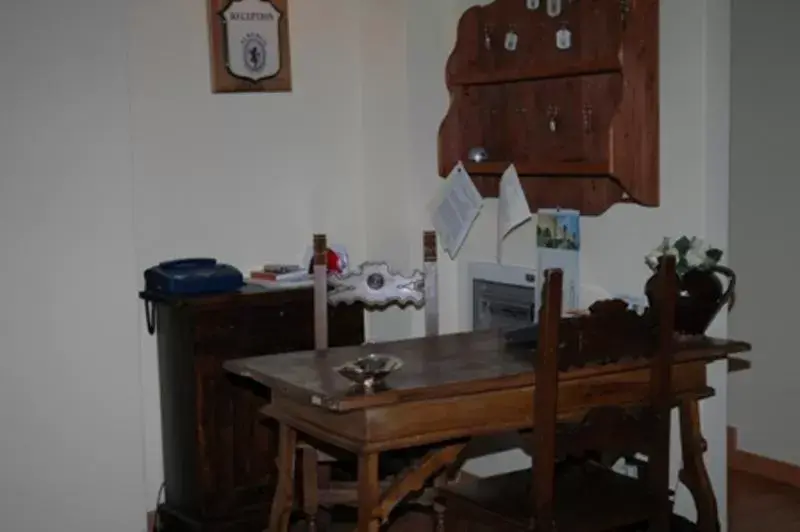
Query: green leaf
{"x": 714, "y": 254}
{"x": 682, "y": 245}
{"x": 682, "y": 266}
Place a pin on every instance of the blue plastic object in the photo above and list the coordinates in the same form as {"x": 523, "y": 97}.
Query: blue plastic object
{"x": 192, "y": 277}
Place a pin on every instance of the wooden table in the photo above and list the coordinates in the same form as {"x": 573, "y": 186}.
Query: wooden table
{"x": 450, "y": 389}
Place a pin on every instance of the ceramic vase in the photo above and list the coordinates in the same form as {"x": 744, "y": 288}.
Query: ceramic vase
{"x": 700, "y": 297}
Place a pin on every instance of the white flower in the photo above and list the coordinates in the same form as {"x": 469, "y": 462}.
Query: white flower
{"x": 652, "y": 259}
{"x": 690, "y": 252}
{"x": 697, "y": 255}
{"x": 696, "y": 258}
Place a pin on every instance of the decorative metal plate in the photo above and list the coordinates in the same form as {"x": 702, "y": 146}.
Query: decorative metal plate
{"x": 375, "y": 284}
{"x": 370, "y": 371}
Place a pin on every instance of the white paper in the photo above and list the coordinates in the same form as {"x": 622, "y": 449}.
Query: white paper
{"x": 512, "y": 207}
{"x": 455, "y": 209}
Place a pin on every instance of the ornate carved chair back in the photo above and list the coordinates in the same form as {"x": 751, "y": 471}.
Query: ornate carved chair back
{"x": 430, "y": 270}
{"x": 376, "y": 286}
{"x": 320, "y": 272}
{"x": 610, "y": 333}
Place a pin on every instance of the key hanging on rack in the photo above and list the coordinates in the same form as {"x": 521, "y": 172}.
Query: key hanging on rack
{"x": 511, "y": 40}
{"x": 564, "y": 38}
{"x": 554, "y": 8}
{"x": 624, "y": 9}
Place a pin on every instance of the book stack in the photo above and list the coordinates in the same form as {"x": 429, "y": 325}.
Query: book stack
{"x": 280, "y": 275}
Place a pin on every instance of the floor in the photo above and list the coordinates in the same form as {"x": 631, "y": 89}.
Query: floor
{"x": 758, "y": 505}
{"x": 755, "y": 505}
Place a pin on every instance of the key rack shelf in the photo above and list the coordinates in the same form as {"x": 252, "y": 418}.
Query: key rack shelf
{"x": 567, "y": 91}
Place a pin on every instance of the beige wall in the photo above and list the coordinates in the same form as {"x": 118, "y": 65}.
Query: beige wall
{"x": 115, "y": 156}
{"x": 70, "y": 396}
{"x": 764, "y": 187}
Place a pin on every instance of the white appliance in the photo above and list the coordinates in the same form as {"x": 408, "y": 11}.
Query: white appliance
{"x": 501, "y": 296}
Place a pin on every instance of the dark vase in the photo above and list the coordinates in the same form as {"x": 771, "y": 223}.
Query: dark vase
{"x": 699, "y": 299}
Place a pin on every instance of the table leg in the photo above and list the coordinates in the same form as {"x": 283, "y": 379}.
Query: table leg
{"x": 281, "y": 510}
{"x": 310, "y": 464}
{"x": 694, "y": 474}
{"x": 368, "y": 492}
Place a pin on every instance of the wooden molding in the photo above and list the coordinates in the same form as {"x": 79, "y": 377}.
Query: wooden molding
{"x": 758, "y": 465}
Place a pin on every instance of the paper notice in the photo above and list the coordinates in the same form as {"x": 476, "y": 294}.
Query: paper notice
{"x": 512, "y": 207}
{"x": 454, "y": 210}
{"x": 558, "y": 245}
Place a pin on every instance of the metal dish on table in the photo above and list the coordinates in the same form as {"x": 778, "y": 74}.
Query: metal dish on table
{"x": 370, "y": 371}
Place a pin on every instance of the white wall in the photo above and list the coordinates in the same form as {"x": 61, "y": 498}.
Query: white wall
{"x": 70, "y": 394}
{"x": 113, "y": 157}
{"x": 764, "y": 187}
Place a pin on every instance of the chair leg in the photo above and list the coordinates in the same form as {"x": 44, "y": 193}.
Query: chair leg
{"x": 281, "y": 510}
{"x": 694, "y": 474}
{"x": 438, "y": 505}
{"x": 439, "y": 509}
{"x": 310, "y": 486}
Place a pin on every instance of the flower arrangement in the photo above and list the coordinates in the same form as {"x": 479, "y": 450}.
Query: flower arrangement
{"x": 690, "y": 253}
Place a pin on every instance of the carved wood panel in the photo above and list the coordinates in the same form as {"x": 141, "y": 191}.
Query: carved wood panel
{"x": 579, "y": 122}
{"x": 609, "y": 333}
{"x": 540, "y": 123}
{"x": 595, "y": 27}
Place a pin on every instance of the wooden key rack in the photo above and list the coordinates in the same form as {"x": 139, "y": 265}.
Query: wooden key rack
{"x": 571, "y": 99}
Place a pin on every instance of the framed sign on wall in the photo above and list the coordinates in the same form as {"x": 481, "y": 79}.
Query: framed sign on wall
{"x": 249, "y": 42}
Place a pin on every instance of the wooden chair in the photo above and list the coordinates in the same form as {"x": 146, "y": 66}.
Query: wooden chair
{"x": 565, "y": 490}
{"x": 316, "y": 467}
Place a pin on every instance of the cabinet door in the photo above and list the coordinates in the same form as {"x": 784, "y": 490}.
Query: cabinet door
{"x": 483, "y": 121}
{"x": 236, "y": 446}
{"x": 563, "y": 120}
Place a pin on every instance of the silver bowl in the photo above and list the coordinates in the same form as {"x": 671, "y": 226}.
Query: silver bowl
{"x": 369, "y": 371}
{"x": 477, "y": 155}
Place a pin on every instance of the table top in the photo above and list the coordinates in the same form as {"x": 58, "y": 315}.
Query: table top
{"x": 433, "y": 368}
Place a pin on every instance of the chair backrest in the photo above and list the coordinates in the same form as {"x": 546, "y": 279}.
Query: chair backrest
{"x": 609, "y": 333}
{"x": 362, "y": 286}
{"x": 320, "y": 273}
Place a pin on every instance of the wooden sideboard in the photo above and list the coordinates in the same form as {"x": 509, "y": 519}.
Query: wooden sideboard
{"x": 219, "y": 454}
